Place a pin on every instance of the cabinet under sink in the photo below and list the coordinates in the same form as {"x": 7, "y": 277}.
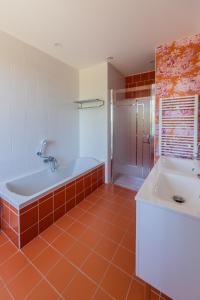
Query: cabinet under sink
{"x": 168, "y": 233}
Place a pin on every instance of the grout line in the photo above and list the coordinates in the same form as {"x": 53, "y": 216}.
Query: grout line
{"x": 129, "y": 288}
{"x": 66, "y": 258}
{"x": 113, "y": 258}
{"x": 8, "y": 240}
{"x": 32, "y": 289}
{"x": 1, "y": 264}
{"x": 43, "y": 278}
{"x": 5, "y": 287}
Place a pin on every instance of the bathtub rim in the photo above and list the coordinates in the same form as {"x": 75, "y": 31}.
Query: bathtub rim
{"x": 20, "y": 201}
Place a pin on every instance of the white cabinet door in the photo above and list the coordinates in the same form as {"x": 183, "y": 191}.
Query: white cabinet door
{"x": 168, "y": 251}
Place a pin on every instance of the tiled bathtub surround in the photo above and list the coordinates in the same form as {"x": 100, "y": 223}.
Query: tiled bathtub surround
{"x": 10, "y": 221}
{"x": 23, "y": 225}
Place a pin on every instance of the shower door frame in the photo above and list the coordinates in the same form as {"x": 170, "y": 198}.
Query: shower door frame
{"x": 152, "y": 124}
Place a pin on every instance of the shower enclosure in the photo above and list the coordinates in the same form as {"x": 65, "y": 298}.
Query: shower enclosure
{"x": 132, "y": 131}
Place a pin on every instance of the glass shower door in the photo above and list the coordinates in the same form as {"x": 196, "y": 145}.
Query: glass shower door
{"x": 131, "y": 149}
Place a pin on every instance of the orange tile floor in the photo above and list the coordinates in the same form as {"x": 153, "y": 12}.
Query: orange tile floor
{"x": 87, "y": 254}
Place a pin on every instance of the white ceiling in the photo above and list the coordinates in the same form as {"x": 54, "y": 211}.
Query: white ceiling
{"x": 91, "y": 30}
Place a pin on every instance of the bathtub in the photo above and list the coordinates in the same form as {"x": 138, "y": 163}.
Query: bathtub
{"x": 38, "y": 199}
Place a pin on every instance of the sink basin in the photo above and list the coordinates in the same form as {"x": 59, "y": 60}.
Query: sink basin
{"x": 173, "y": 177}
{"x": 170, "y": 185}
{"x": 186, "y": 166}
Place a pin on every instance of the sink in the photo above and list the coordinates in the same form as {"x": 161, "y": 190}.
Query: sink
{"x": 173, "y": 177}
{"x": 169, "y": 185}
{"x": 185, "y": 166}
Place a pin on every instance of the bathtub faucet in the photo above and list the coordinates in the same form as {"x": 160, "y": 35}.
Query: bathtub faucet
{"x": 52, "y": 161}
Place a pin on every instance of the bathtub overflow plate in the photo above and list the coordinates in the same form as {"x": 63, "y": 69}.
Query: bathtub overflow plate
{"x": 178, "y": 199}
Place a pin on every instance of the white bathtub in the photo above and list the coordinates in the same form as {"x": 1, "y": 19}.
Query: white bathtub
{"x": 25, "y": 189}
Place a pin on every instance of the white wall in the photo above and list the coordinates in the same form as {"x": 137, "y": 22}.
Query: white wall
{"x": 36, "y": 102}
{"x": 94, "y": 124}
{"x": 115, "y": 81}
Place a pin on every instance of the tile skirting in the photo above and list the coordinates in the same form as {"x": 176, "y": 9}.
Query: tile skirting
{"x": 21, "y": 226}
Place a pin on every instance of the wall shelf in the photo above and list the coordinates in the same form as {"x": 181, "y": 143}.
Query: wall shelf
{"x": 90, "y": 103}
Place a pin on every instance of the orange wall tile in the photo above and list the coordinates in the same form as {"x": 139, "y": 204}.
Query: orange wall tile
{"x": 137, "y": 80}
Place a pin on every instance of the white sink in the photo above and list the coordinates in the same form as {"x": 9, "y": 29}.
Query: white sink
{"x": 185, "y": 166}
{"x": 173, "y": 177}
{"x": 169, "y": 186}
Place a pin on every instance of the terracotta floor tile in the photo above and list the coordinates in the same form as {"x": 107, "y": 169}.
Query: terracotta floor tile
{"x": 5, "y": 295}
{"x": 125, "y": 260}
{"x": 85, "y": 205}
{"x": 84, "y": 240}
{"x": 113, "y": 232}
{"x": 76, "y": 212}
{"x": 95, "y": 267}
{"x": 121, "y": 222}
{"x": 106, "y": 248}
{"x": 76, "y": 229}
{"x": 43, "y": 291}
{"x": 90, "y": 238}
{"x": 87, "y": 218}
{"x": 102, "y": 295}
{"x": 3, "y": 239}
{"x": 2, "y": 283}
{"x": 116, "y": 283}
{"x": 98, "y": 225}
{"x": 78, "y": 253}
{"x": 34, "y": 248}
{"x": 137, "y": 291}
{"x": 128, "y": 242}
{"x": 92, "y": 198}
{"x": 61, "y": 275}
{"x": 127, "y": 194}
{"x": 13, "y": 266}
{"x": 46, "y": 260}
{"x": 24, "y": 282}
{"x": 63, "y": 243}
{"x": 64, "y": 222}
{"x": 6, "y": 251}
{"x": 80, "y": 288}
{"x": 95, "y": 210}
{"x": 51, "y": 233}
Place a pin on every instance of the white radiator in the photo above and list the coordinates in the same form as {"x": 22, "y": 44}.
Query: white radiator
{"x": 178, "y": 126}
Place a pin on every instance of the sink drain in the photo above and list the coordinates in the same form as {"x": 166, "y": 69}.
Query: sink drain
{"x": 178, "y": 199}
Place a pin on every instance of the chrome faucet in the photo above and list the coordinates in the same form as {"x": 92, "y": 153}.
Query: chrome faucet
{"x": 52, "y": 161}
{"x": 196, "y": 158}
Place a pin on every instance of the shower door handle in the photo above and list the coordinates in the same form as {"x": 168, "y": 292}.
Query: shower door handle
{"x": 147, "y": 139}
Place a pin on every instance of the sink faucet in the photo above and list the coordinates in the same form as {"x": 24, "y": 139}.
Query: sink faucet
{"x": 196, "y": 158}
